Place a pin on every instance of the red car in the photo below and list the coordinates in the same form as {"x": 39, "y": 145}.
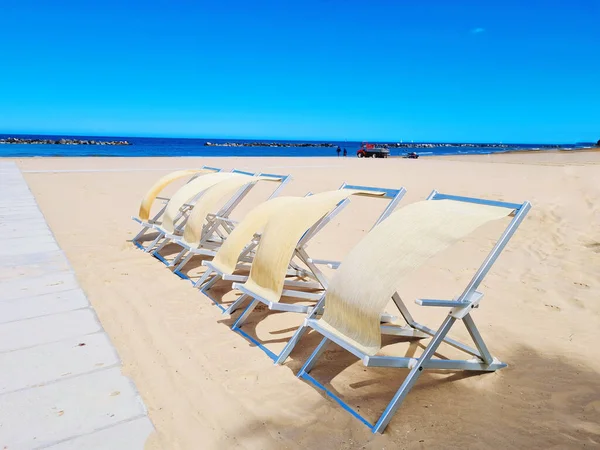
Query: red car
{"x": 370, "y": 151}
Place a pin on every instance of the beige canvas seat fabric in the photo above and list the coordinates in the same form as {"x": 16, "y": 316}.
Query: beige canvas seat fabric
{"x": 280, "y": 237}
{"x": 363, "y": 285}
{"x": 161, "y": 183}
{"x": 192, "y": 233}
{"x": 187, "y": 192}
{"x": 227, "y": 257}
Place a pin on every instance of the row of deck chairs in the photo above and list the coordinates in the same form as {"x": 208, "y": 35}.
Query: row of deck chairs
{"x": 266, "y": 258}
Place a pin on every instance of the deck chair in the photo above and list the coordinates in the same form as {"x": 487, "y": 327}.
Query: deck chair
{"x": 283, "y": 241}
{"x": 143, "y": 217}
{"x": 239, "y": 247}
{"x": 225, "y": 222}
{"x": 242, "y": 239}
{"x": 206, "y": 230}
{"x": 239, "y": 251}
{"x": 236, "y": 255}
{"x": 179, "y": 207}
{"x": 367, "y": 279}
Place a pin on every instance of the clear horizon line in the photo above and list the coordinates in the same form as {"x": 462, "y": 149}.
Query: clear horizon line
{"x": 405, "y": 141}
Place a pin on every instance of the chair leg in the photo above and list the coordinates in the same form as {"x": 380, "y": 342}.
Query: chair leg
{"x": 236, "y": 305}
{"x": 210, "y": 284}
{"x": 149, "y": 248}
{"x": 204, "y": 290}
{"x": 178, "y": 257}
{"x": 479, "y": 343}
{"x": 422, "y": 328}
{"x": 140, "y": 234}
{"x": 413, "y": 376}
{"x": 312, "y": 359}
{"x": 247, "y": 250}
{"x": 317, "y": 310}
{"x": 291, "y": 344}
{"x": 186, "y": 260}
{"x": 162, "y": 245}
{"x": 240, "y": 321}
{"x": 198, "y": 284}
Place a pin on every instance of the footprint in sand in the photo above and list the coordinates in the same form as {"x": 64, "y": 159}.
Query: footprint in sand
{"x": 594, "y": 246}
{"x": 554, "y": 307}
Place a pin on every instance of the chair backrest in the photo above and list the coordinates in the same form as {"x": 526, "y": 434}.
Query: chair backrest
{"x": 393, "y": 195}
{"x": 281, "y": 179}
{"x": 160, "y": 184}
{"x": 212, "y": 169}
{"x": 192, "y": 233}
{"x": 519, "y": 211}
{"x": 194, "y": 228}
{"x": 370, "y": 274}
{"x": 188, "y": 192}
{"x": 227, "y": 257}
{"x": 281, "y": 236}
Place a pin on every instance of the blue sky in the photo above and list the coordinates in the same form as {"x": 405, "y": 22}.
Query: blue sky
{"x": 471, "y": 71}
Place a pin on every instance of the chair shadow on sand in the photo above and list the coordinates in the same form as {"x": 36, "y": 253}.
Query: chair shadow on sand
{"x": 539, "y": 400}
{"x": 543, "y": 399}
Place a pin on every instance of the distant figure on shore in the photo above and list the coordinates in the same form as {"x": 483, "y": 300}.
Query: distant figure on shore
{"x": 338, "y": 151}
{"x": 345, "y": 153}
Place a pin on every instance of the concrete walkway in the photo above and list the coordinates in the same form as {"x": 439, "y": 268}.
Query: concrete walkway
{"x": 61, "y": 386}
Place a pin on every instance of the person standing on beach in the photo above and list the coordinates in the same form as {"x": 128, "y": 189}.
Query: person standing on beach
{"x": 338, "y": 151}
{"x": 345, "y": 153}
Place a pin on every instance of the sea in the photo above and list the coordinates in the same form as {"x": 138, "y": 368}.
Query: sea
{"x": 145, "y": 146}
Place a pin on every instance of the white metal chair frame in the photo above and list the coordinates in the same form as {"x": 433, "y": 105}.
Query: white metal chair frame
{"x": 218, "y": 225}
{"x": 294, "y": 269}
{"x": 318, "y": 279}
{"x": 460, "y": 309}
{"x": 155, "y": 220}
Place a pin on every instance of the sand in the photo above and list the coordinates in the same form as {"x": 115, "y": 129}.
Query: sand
{"x": 207, "y": 387}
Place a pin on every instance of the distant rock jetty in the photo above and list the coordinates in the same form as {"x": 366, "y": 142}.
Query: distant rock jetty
{"x": 12, "y": 140}
{"x": 267, "y": 144}
{"x": 388, "y": 145}
{"x": 429, "y": 145}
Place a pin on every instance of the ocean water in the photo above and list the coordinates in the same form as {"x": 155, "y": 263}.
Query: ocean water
{"x": 196, "y": 147}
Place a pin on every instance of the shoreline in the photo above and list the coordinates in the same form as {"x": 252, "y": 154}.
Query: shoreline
{"x": 428, "y": 155}
{"x": 38, "y": 146}
{"x": 519, "y": 152}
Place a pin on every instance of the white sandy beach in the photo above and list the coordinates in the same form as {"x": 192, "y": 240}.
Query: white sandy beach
{"x": 207, "y": 387}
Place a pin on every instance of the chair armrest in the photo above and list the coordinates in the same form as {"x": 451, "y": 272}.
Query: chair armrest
{"x": 459, "y": 309}
{"x": 227, "y": 220}
{"x": 431, "y": 302}
{"x": 325, "y": 262}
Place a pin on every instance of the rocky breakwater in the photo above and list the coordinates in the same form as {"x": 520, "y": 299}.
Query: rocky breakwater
{"x": 267, "y": 144}
{"x": 431, "y": 145}
{"x": 438, "y": 145}
{"x": 12, "y": 140}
